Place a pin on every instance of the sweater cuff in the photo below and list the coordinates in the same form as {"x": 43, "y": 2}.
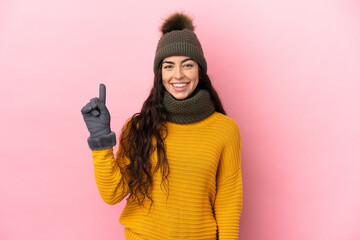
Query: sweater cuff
{"x": 102, "y": 142}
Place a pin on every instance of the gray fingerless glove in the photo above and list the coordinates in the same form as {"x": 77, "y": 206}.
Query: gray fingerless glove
{"x": 97, "y": 119}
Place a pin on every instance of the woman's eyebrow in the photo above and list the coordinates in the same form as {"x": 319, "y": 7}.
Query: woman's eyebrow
{"x": 187, "y": 59}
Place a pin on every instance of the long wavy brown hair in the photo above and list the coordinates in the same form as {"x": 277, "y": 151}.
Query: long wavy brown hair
{"x": 136, "y": 138}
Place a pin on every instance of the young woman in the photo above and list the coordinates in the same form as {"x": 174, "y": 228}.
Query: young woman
{"x": 179, "y": 158}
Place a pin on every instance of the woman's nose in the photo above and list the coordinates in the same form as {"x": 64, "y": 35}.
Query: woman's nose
{"x": 178, "y": 73}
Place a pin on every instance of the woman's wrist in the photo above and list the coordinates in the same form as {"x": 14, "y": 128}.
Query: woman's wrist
{"x": 102, "y": 142}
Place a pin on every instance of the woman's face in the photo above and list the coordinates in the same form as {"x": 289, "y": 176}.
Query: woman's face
{"x": 180, "y": 76}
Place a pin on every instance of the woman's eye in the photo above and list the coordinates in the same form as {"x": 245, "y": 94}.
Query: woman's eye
{"x": 188, "y": 65}
{"x": 167, "y": 66}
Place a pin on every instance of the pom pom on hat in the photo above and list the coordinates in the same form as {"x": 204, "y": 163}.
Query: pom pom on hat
{"x": 177, "y": 21}
{"x": 178, "y": 39}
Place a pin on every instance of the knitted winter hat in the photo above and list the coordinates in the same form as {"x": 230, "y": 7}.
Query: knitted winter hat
{"x": 178, "y": 39}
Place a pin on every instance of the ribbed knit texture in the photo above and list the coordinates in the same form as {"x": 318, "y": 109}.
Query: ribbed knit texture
{"x": 180, "y": 43}
{"x": 205, "y": 184}
{"x": 196, "y": 107}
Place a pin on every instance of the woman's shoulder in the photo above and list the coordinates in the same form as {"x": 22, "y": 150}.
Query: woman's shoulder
{"x": 225, "y": 123}
{"x": 225, "y": 119}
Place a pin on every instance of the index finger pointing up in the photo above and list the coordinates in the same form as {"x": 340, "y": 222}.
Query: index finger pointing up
{"x": 102, "y": 93}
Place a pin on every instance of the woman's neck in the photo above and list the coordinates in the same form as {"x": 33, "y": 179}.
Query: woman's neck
{"x": 196, "y": 107}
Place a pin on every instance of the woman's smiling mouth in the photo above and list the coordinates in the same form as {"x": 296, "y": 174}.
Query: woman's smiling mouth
{"x": 179, "y": 84}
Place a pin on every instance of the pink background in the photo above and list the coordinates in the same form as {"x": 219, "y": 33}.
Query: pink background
{"x": 287, "y": 71}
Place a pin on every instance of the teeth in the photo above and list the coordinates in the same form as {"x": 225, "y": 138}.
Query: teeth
{"x": 180, "y": 85}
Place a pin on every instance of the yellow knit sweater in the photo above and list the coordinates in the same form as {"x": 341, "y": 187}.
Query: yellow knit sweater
{"x": 205, "y": 184}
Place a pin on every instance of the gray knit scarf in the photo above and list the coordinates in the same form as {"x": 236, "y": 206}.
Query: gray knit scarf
{"x": 194, "y": 108}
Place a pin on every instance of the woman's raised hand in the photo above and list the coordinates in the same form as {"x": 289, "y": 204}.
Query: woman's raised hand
{"x": 96, "y": 115}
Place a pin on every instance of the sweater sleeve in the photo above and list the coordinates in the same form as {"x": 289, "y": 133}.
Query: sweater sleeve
{"x": 110, "y": 182}
{"x": 229, "y": 191}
